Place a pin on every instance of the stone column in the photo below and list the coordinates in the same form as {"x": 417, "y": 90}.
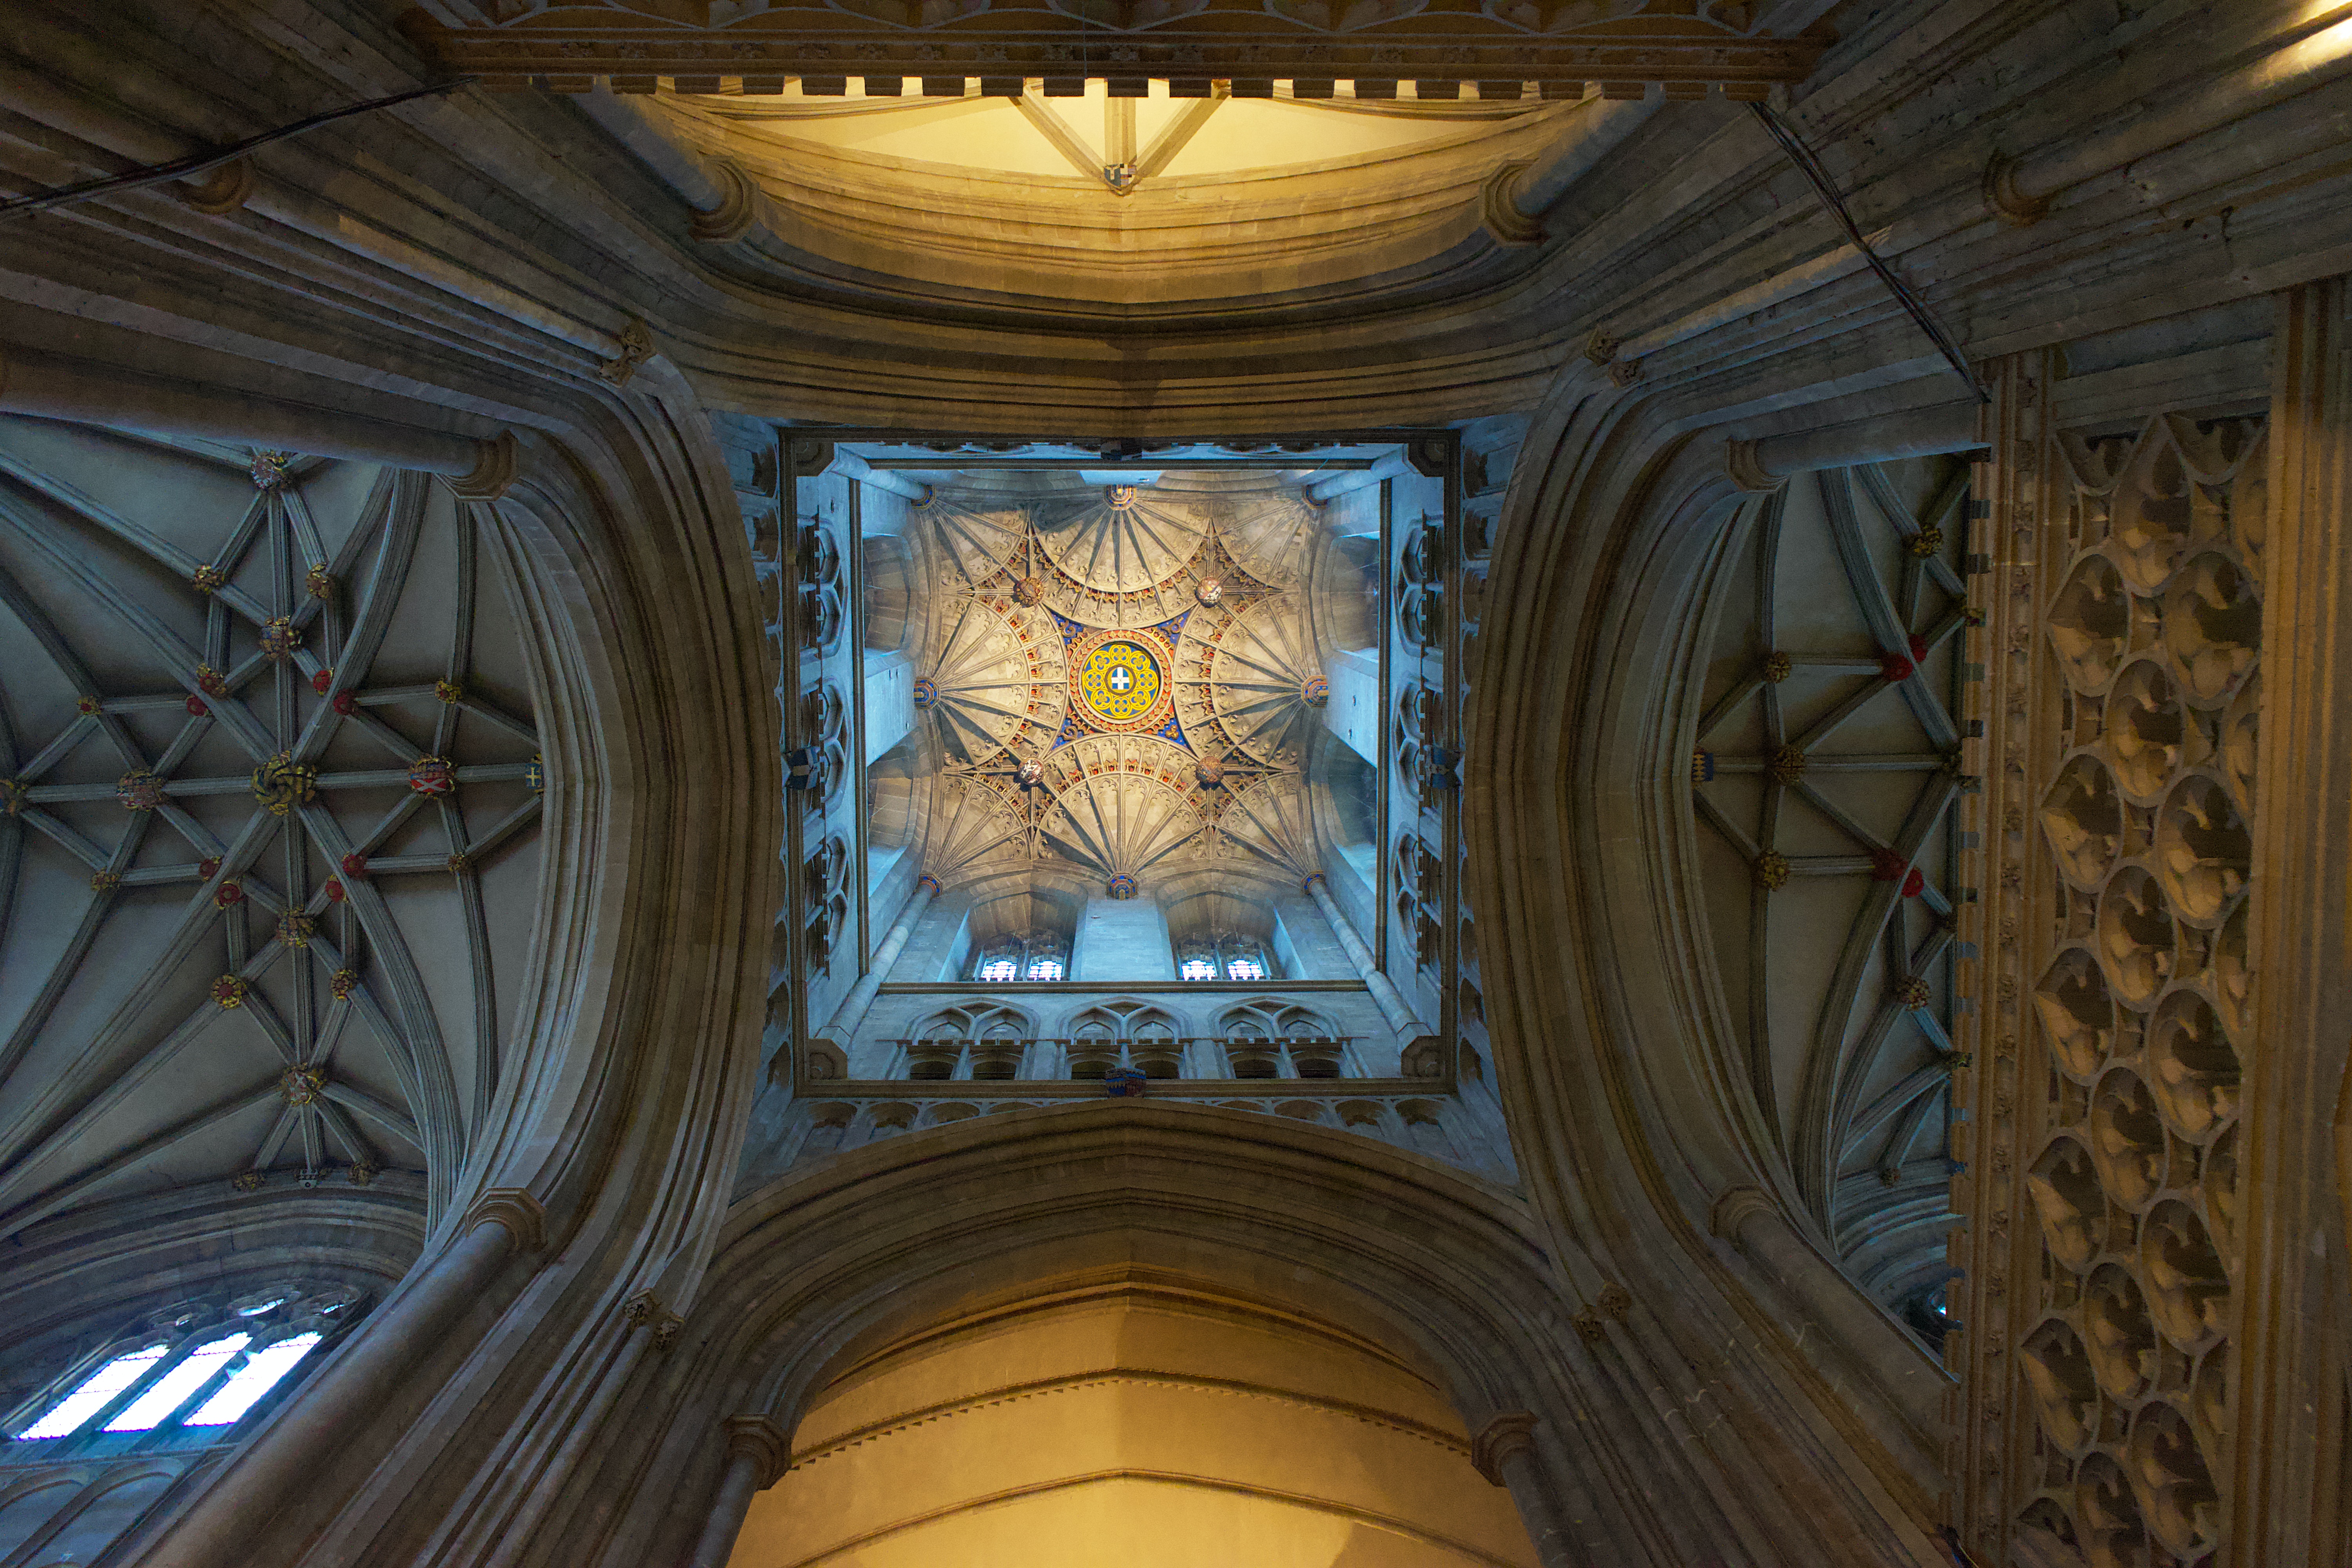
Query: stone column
{"x": 351, "y": 1390}
{"x": 1421, "y": 1044}
{"x": 757, "y": 1452}
{"x": 853, "y": 1009}
{"x": 1504, "y": 1450}
{"x": 1752, "y": 1221}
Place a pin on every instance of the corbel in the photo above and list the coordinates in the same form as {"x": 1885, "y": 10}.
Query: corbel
{"x": 227, "y": 188}
{"x": 2007, "y": 201}
{"x": 738, "y": 205}
{"x": 1747, "y": 470}
{"x": 493, "y": 472}
{"x": 1503, "y": 219}
{"x": 1505, "y": 1435}
{"x": 523, "y": 1217}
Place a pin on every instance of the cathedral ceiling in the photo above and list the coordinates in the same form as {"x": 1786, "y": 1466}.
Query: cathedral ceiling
{"x": 271, "y": 787}
{"x": 1825, "y": 787}
{"x": 1120, "y": 684}
{"x": 1137, "y": 201}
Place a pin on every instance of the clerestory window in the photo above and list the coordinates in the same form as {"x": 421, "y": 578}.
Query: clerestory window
{"x": 1031, "y": 956}
{"x": 182, "y": 1376}
{"x": 1225, "y": 957}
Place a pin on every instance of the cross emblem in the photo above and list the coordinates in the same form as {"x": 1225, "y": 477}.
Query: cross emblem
{"x": 1119, "y": 680}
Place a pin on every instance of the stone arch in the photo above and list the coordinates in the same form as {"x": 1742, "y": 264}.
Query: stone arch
{"x": 802, "y": 1287}
{"x": 1581, "y": 727}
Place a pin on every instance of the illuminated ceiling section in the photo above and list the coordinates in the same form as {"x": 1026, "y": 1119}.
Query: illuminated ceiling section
{"x": 1112, "y": 666}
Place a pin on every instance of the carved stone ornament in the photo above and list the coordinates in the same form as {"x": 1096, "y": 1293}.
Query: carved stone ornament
{"x": 1502, "y": 220}
{"x": 738, "y": 211}
{"x": 281, "y": 785}
{"x": 696, "y": 47}
{"x": 302, "y": 1085}
{"x": 636, "y": 346}
{"x": 1739, "y": 461}
{"x": 644, "y": 1310}
{"x": 1506, "y": 1434}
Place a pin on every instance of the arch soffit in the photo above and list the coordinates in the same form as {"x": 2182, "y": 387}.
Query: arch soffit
{"x": 1611, "y": 508}
{"x": 1610, "y": 1046}
{"x": 609, "y": 705}
{"x": 996, "y": 1207}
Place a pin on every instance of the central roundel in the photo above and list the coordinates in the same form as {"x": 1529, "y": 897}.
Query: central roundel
{"x": 1119, "y": 680}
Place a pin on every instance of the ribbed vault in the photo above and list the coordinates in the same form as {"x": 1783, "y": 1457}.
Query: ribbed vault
{"x": 272, "y": 792}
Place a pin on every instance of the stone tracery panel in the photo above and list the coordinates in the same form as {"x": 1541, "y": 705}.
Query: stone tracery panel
{"x": 2136, "y": 932}
{"x": 2126, "y": 638}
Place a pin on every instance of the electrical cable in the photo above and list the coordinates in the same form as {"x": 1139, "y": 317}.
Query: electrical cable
{"x": 1826, "y": 189}
{"x": 197, "y": 162}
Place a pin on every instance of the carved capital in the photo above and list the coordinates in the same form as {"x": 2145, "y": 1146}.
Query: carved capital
{"x": 644, "y": 1310}
{"x": 2007, "y": 201}
{"x": 1734, "y": 1211}
{"x": 1506, "y": 1434}
{"x": 760, "y": 1440}
{"x": 1504, "y": 221}
{"x": 737, "y": 209}
{"x": 492, "y": 473}
{"x": 223, "y": 190}
{"x": 520, "y": 1214}
{"x": 1746, "y": 471}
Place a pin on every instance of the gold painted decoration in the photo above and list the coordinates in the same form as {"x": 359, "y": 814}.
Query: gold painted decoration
{"x": 1119, "y": 680}
{"x": 281, "y": 783}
